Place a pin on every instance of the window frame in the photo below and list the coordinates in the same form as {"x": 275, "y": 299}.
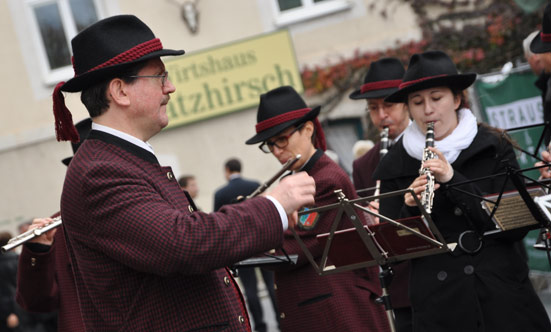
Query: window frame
{"x": 309, "y": 10}
{"x": 48, "y": 75}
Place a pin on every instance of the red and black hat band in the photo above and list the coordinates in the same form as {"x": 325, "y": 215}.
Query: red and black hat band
{"x": 545, "y": 37}
{"x": 130, "y": 55}
{"x": 408, "y": 83}
{"x": 380, "y": 85}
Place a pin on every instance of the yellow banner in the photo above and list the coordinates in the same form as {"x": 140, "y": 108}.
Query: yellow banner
{"x": 230, "y": 78}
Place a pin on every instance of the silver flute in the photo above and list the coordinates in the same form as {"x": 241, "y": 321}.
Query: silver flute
{"x": 428, "y": 194}
{"x": 382, "y": 152}
{"x": 31, "y": 234}
{"x": 288, "y": 164}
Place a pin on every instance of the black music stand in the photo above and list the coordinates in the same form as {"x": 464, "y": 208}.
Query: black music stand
{"x": 361, "y": 246}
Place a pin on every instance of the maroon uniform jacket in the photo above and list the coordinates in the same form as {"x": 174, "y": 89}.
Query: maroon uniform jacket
{"x": 45, "y": 283}
{"x": 143, "y": 260}
{"x": 363, "y": 168}
{"x": 362, "y": 173}
{"x": 338, "y": 302}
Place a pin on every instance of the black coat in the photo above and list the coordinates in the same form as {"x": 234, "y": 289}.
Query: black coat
{"x": 235, "y": 187}
{"x": 8, "y": 277}
{"x": 485, "y": 291}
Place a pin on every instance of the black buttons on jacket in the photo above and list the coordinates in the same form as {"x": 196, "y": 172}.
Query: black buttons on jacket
{"x": 442, "y": 275}
{"x": 468, "y": 269}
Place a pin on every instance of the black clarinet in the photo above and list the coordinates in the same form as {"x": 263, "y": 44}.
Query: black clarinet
{"x": 428, "y": 194}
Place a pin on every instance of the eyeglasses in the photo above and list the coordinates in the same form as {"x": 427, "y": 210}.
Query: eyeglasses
{"x": 280, "y": 142}
{"x": 163, "y": 76}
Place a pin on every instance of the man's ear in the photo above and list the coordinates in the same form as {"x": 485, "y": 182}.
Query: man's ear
{"x": 117, "y": 92}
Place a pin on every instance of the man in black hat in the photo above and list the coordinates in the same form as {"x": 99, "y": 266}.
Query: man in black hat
{"x": 143, "y": 258}
{"x": 45, "y": 280}
{"x": 382, "y": 79}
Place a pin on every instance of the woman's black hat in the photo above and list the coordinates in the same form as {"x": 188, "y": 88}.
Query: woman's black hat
{"x": 542, "y": 42}
{"x": 280, "y": 109}
{"x": 382, "y": 79}
{"x": 430, "y": 69}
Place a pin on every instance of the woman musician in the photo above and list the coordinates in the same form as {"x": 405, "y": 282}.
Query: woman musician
{"x": 308, "y": 302}
{"x": 483, "y": 284}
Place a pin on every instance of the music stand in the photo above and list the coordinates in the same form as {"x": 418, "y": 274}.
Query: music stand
{"x": 363, "y": 247}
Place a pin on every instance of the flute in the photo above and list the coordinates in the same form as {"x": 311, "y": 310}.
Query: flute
{"x": 274, "y": 178}
{"x": 288, "y": 164}
{"x": 31, "y": 234}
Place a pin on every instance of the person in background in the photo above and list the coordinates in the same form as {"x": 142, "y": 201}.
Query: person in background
{"x": 10, "y": 316}
{"x": 228, "y": 194}
{"x": 189, "y": 184}
{"x": 482, "y": 284}
{"x": 344, "y": 301}
{"x": 382, "y": 79}
{"x": 361, "y": 147}
{"x": 45, "y": 280}
{"x": 541, "y": 47}
{"x": 143, "y": 258}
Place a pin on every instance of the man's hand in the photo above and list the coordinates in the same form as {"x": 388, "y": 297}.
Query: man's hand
{"x": 545, "y": 171}
{"x": 46, "y": 238}
{"x": 293, "y": 192}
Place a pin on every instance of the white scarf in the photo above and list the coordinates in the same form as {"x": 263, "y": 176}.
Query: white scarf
{"x": 451, "y": 146}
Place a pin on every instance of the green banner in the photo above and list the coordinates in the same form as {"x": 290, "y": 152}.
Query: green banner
{"x": 513, "y": 102}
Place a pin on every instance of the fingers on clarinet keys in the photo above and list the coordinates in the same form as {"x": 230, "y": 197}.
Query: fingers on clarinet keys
{"x": 295, "y": 191}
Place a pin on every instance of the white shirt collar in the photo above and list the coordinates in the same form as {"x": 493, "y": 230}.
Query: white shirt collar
{"x": 401, "y": 134}
{"x": 234, "y": 176}
{"x": 124, "y": 136}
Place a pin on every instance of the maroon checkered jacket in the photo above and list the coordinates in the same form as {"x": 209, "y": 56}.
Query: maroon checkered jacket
{"x": 362, "y": 173}
{"x": 143, "y": 260}
{"x": 45, "y": 283}
{"x": 338, "y": 302}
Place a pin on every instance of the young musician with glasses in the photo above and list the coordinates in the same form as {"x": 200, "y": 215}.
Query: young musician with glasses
{"x": 308, "y": 302}
{"x": 143, "y": 258}
{"x": 482, "y": 284}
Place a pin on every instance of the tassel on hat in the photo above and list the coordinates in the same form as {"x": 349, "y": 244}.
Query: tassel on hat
{"x": 64, "y": 128}
{"x": 320, "y": 136}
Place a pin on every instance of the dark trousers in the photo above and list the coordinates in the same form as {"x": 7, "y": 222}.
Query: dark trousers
{"x": 249, "y": 281}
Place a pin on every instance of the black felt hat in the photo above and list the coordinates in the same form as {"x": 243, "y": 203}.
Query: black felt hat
{"x": 430, "y": 69}
{"x": 280, "y": 109}
{"x": 83, "y": 128}
{"x": 382, "y": 79}
{"x": 100, "y": 52}
{"x": 110, "y": 45}
{"x": 542, "y": 42}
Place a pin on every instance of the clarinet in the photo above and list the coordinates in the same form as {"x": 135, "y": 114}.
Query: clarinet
{"x": 428, "y": 194}
{"x": 382, "y": 152}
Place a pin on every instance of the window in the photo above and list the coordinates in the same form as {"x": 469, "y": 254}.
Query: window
{"x": 292, "y": 11}
{"x": 55, "y": 23}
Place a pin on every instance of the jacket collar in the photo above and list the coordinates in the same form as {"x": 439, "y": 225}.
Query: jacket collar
{"x": 125, "y": 145}
{"x": 312, "y": 161}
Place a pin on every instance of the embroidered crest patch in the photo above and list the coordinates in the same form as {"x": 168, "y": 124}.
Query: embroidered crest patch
{"x": 308, "y": 221}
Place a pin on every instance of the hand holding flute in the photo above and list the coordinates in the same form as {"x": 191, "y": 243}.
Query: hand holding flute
{"x": 42, "y": 230}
